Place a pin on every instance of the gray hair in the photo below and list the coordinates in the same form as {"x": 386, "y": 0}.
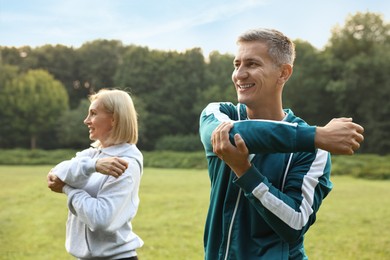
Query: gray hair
{"x": 280, "y": 47}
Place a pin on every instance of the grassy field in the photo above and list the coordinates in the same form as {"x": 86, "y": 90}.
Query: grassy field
{"x": 353, "y": 223}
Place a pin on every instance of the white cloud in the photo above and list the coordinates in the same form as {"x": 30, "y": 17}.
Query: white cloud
{"x": 169, "y": 24}
{"x": 190, "y": 20}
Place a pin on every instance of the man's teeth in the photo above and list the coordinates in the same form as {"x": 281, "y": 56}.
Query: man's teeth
{"x": 246, "y": 86}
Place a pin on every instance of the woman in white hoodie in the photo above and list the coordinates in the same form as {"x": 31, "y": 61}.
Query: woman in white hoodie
{"x": 102, "y": 182}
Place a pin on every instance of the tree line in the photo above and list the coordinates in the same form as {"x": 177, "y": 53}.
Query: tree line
{"x": 44, "y": 90}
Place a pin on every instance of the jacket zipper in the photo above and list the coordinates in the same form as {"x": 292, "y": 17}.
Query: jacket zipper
{"x": 231, "y": 225}
{"x": 238, "y": 197}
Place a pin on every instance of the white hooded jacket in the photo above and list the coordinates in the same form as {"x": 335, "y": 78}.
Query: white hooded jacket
{"x": 101, "y": 206}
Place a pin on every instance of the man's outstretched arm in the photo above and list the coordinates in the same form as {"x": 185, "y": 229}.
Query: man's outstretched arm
{"x": 339, "y": 136}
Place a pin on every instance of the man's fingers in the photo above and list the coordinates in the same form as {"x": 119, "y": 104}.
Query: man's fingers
{"x": 219, "y": 135}
{"x": 343, "y": 119}
{"x": 359, "y": 138}
{"x": 222, "y": 128}
{"x": 359, "y": 129}
{"x": 240, "y": 144}
{"x": 355, "y": 146}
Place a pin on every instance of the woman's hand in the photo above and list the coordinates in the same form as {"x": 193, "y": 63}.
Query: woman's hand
{"x": 54, "y": 183}
{"x": 113, "y": 166}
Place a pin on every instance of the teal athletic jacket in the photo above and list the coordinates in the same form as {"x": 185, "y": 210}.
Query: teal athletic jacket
{"x": 265, "y": 213}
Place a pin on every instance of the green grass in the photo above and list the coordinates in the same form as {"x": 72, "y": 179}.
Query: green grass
{"x": 32, "y": 218}
{"x": 353, "y": 223}
{"x": 172, "y": 213}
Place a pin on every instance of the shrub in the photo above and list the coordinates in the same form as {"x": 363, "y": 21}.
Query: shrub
{"x": 182, "y": 143}
{"x": 368, "y": 166}
{"x": 170, "y": 159}
{"x": 35, "y": 157}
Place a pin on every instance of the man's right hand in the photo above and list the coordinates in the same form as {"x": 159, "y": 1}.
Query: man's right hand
{"x": 339, "y": 136}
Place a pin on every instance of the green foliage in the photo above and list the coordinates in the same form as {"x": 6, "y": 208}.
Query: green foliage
{"x": 98, "y": 62}
{"x": 31, "y": 104}
{"x": 34, "y": 157}
{"x": 361, "y": 33}
{"x": 349, "y": 78}
{"x": 7, "y": 73}
{"x": 218, "y": 79}
{"x": 366, "y": 166}
{"x": 185, "y": 143}
{"x": 72, "y": 132}
{"x": 157, "y": 159}
{"x": 169, "y": 159}
{"x": 305, "y": 92}
{"x": 167, "y": 83}
{"x": 350, "y": 224}
{"x": 61, "y": 62}
{"x": 361, "y": 53}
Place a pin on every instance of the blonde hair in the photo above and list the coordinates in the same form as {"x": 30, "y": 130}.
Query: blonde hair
{"x": 120, "y": 105}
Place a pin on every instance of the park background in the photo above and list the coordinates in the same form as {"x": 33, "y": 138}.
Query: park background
{"x": 43, "y": 101}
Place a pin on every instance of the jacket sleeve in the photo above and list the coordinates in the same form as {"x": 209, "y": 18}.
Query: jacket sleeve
{"x": 115, "y": 204}
{"x": 75, "y": 172}
{"x": 292, "y": 211}
{"x": 260, "y": 136}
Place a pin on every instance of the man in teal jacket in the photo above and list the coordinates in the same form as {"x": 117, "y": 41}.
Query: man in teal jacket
{"x": 269, "y": 170}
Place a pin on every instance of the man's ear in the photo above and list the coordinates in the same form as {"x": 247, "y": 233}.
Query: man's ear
{"x": 285, "y": 72}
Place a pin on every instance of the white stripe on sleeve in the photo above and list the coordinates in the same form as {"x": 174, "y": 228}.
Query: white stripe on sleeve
{"x": 295, "y": 219}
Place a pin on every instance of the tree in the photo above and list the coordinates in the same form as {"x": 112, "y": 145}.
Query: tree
{"x": 167, "y": 83}
{"x": 360, "y": 34}
{"x": 19, "y": 57}
{"x": 217, "y": 85}
{"x": 59, "y": 61}
{"x": 360, "y": 52}
{"x": 305, "y": 92}
{"x": 33, "y": 102}
{"x": 7, "y": 74}
{"x": 71, "y": 130}
{"x": 139, "y": 74}
{"x": 97, "y": 64}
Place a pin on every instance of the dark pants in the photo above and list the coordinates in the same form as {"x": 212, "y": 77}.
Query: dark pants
{"x": 130, "y": 258}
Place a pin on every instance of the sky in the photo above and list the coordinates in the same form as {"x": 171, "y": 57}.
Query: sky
{"x": 173, "y": 25}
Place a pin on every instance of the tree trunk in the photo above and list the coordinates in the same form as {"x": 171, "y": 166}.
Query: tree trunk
{"x": 33, "y": 142}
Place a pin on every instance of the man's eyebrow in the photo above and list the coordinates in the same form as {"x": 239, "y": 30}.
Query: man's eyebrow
{"x": 247, "y": 60}
{"x": 253, "y": 60}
